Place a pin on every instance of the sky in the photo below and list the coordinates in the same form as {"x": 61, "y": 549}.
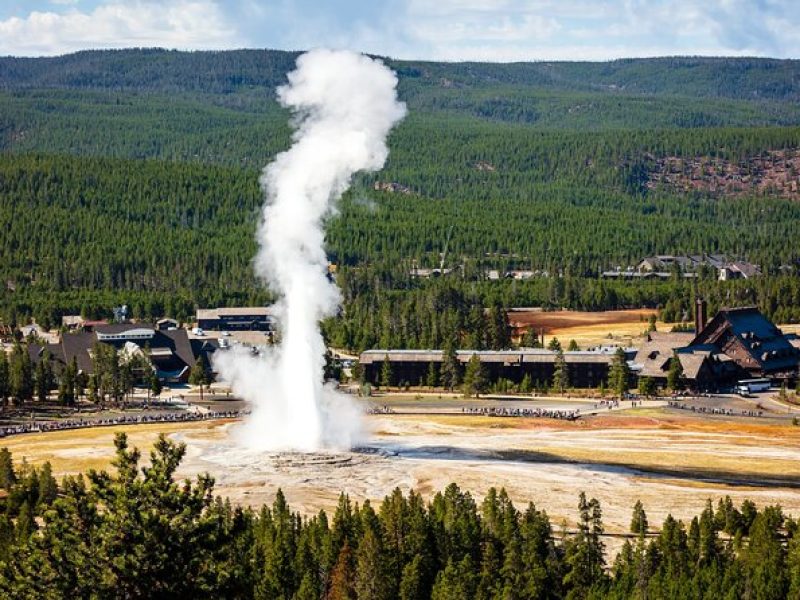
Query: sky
{"x": 491, "y": 30}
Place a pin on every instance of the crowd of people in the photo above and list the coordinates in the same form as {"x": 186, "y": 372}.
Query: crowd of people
{"x": 499, "y": 411}
{"x": 711, "y": 410}
{"x": 168, "y": 417}
{"x": 609, "y": 404}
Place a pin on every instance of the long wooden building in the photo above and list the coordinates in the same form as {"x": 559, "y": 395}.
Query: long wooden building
{"x": 586, "y": 369}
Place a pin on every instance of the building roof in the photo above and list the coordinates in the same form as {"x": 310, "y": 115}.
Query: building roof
{"x": 94, "y": 322}
{"x": 692, "y": 363}
{"x": 235, "y": 311}
{"x": 507, "y": 357}
{"x": 653, "y": 356}
{"x": 171, "y": 347}
{"x": 180, "y": 344}
{"x": 167, "y": 321}
{"x": 116, "y": 328}
{"x": 78, "y": 345}
{"x": 127, "y": 331}
{"x": 761, "y": 339}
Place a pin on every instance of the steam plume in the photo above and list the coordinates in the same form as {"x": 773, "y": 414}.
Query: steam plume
{"x": 344, "y": 106}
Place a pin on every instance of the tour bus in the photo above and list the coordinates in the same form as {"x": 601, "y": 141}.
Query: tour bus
{"x": 748, "y": 386}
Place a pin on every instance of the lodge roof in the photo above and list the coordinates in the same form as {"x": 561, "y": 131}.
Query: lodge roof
{"x": 165, "y": 346}
{"x": 534, "y": 355}
{"x": 654, "y": 355}
{"x": 760, "y": 338}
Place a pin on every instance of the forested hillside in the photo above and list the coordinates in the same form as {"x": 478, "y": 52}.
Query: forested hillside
{"x": 131, "y": 176}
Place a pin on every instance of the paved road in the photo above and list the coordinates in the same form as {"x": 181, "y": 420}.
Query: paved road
{"x": 762, "y": 404}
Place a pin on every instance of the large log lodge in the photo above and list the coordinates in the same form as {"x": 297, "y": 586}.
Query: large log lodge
{"x": 586, "y": 368}
{"x": 738, "y": 343}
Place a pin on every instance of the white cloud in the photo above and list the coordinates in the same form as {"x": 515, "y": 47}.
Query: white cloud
{"x": 497, "y": 30}
{"x": 502, "y": 29}
{"x": 185, "y": 24}
{"x": 505, "y": 30}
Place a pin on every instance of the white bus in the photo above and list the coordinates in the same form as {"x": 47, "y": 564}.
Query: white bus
{"x": 748, "y": 386}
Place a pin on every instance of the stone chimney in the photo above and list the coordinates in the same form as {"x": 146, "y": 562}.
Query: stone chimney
{"x": 700, "y": 315}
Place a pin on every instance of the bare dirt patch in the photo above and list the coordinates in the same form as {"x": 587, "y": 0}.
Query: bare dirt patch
{"x": 585, "y": 327}
{"x": 554, "y": 320}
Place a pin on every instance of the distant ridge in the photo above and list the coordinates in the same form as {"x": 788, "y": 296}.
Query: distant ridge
{"x": 234, "y": 70}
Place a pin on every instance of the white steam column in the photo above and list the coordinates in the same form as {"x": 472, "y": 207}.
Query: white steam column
{"x": 344, "y": 105}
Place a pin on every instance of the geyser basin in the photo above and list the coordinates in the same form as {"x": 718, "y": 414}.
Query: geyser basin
{"x": 671, "y": 463}
{"x": 344, "y": 106}
{"x": 529, "y": 458}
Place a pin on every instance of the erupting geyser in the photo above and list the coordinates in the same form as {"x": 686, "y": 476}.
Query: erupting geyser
{"x": 344, "y": 105}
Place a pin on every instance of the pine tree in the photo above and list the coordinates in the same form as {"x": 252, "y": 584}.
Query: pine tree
{"x": 79, "y": 379}
{"x": 198, "y": 375}
{"x": 450, "y": 374}
{"x": 21, "y": 374}
{"x": 647, "y": 386}
{"x": 25, "y": 524}
{"x": 92, "y": 389}
{"x": 639, "y": 519}
{"x": 342, "y": 576}
{"x": 793, "y": 566}
{"x": 126, "y": 378}
{"x": 619, "y": 373}
{"x": 475, "y": 379}
{"x": 500, "y": 330}
{"x": 387, "y": 376}
{"x": 106, "y": 371}
{"x": 512, "y": 571}
{"x": 554, "y": 345}
{"x": 489, "y": 583}
{"x": 584, "y": 553}
{"x": 675, "y": 374}
{"x": 432, "y": 376}
{"x": 5, "y": 377}
{"x": 66, "y": 387}
{"x": 371, "y": 582}
{"x": 48, "y": 488}
{"x": 476, "y": 340}
{"x": 531, "y": 338}
{"x": 7, "y": 475}
{"x": 411, "y": 584}
{"x": 560, "y": 373}
{"x": 540, "y": 569}
{"x": 307, "y": 589}
{"x": 456, "y": 582}
{"x": 357, "y": 372}
{"x": 155, "y": 384}
{"x": 6, "y": 537}
{"x": 573, "y": 346}
{"x": 43, "y": 377}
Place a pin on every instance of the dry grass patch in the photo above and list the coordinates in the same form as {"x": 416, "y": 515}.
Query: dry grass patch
{"x": 78, "y": 450}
